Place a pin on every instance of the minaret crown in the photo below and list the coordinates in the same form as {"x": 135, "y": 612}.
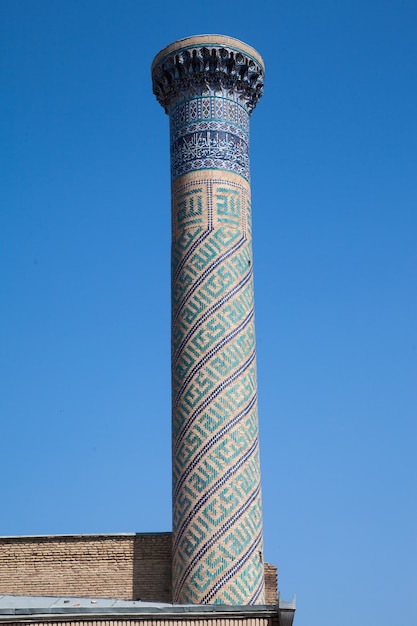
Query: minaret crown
{"x": 208, "y": 64}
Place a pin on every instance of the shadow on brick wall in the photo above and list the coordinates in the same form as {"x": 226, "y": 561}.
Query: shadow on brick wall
{"x": 152, "y": 564}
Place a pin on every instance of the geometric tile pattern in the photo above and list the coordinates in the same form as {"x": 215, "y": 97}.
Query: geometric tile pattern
{"x": 209, "y": 93}
{"x": 217, "y": 521}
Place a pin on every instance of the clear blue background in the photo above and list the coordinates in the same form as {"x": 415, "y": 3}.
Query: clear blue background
{"x": 84, "y": 286}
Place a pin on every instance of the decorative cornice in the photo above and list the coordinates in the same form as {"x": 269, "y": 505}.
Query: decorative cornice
{"x": 201, "y": 65}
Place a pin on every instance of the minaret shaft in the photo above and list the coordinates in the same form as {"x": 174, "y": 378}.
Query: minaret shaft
{"x": 209, "y": 86}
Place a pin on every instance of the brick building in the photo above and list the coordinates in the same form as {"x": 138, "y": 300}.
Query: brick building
{"x": 104, "y": 579}
{"x": 210, "y": 571}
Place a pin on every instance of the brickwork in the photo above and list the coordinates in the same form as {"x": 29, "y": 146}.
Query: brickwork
{"x": 127, "y": 567}
{"x": 169, "y": 621}
{"x": 271, "y": 584}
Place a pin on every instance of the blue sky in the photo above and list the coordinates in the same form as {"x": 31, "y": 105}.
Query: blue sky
{"x": 84, "y": 283}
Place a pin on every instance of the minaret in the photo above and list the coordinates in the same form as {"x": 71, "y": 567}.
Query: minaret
{"x": 209, "y": 86}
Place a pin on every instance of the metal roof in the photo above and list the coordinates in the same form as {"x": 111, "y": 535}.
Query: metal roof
{"x": 50, "y": 604}
{"x": 24, "y": 607}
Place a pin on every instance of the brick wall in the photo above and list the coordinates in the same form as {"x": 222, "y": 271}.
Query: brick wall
{"x": 271, "y": 583}
{"x": 128, "y": 567}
